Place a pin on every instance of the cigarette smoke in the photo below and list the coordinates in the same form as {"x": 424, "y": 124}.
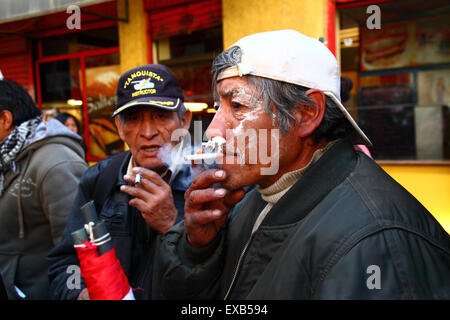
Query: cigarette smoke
{"x": 173, "y": 157}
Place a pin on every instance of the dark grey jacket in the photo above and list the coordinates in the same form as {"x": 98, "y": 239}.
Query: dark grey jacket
{"x": 134, "y": 241}
{"x": 345, "y": 230}
{"x": 35, "y": 207}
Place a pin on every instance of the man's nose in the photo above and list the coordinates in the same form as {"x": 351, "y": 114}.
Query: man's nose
{"x": 148, "y": 129}
{"x": 218, "y": 126}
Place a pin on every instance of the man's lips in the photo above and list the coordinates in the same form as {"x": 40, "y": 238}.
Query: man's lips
{"x": 149, "y": 149}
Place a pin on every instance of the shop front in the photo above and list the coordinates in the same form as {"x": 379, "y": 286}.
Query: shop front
{"x": 396, "y": 54}
{"x": 69, "y": 70}
{"x": 400, "y": 70}
{"x": 398, "y": 63}
{"x": 186, "y": 35}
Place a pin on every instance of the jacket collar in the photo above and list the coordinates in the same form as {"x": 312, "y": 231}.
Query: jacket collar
{"x": 324, "y": 175}
{"x": 123, "y": 170}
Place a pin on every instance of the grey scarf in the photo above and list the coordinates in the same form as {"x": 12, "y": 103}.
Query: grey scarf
{"x": 13, "y": 145}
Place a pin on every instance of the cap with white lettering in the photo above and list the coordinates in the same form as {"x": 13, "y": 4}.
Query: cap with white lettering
{"x": 152, "y": 85}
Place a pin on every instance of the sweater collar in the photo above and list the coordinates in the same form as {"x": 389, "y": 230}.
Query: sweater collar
{"x": 276, "y": 191}
{"x": 316, "y": 182}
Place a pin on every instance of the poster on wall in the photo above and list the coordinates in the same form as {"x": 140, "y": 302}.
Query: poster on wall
{"x": 434, "y": 88}
{"x": 405, "y": 44}
{"x": 432, "y": 40}
{"x": 429, "y": 132}
{"x": 101, "y": 85}
{"x": 386, "y": 47}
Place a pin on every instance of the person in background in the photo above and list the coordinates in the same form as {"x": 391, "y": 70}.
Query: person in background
{"x": 136, "y": 211}
{"x": 41, "y": 164}
{"x": 69, "y": 121}
{"x": 73, "y": 124}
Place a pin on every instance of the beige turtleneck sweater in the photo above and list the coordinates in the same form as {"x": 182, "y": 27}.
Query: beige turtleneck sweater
{"x": 277, "y": 190}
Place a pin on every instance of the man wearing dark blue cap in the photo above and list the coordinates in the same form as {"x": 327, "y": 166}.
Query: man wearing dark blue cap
{"x": 138, "y": 193}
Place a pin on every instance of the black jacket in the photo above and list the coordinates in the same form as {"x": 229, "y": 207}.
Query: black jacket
{"x": 134, "y": 241}
{"x": 345, "y": 230}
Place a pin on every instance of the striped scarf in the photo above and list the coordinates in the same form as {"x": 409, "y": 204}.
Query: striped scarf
{"x": 13, "y": 145}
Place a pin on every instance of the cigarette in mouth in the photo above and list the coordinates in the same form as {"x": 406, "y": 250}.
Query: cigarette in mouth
{"x": 202, "y": 156}
{"x": 137, "y": 180}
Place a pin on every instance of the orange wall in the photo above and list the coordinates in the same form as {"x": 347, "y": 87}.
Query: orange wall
{"x": 429, "y": 184}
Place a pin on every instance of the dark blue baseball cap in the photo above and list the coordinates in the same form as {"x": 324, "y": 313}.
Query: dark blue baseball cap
{"x": 152, "y": 85}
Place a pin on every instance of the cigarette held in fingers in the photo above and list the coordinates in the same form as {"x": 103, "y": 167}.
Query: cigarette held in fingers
{"x": 137, "y": 180}
{"x": 202, "y": 156}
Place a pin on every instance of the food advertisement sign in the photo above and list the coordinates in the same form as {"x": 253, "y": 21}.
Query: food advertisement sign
{"x": 101, "y": 85}
{"x": 405, "y": 44}
{"x": 385, "y": 48}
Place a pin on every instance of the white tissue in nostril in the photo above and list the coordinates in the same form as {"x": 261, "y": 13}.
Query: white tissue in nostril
{"x": 215, "y": 144}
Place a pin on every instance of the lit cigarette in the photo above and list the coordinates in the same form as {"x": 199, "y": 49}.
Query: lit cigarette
{"x": 137, "y": 180}
{"x": 202, "y": 156}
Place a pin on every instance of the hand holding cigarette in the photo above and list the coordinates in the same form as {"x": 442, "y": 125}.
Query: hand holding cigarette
{"x": 152, "y": 196}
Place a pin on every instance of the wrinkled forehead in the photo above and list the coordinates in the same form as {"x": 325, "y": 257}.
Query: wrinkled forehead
{"x": 237, "y": 88}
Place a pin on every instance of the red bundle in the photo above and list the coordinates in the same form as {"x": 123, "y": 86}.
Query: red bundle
{"x": 103, "y": 274}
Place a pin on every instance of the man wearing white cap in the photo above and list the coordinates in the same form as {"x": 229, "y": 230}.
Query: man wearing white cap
{"x": 329, "y": 223}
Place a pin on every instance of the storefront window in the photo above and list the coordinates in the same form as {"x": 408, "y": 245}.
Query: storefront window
{"x": 401, "y": 79}
{"x": 84, "y": 85}
{"x": 102, "y": 75}
{"x": 60, "y": 83}
{"x": 190, "y": 58}
{"x": 78, "y": 42}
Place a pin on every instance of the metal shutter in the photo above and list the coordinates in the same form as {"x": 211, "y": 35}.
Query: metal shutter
{"x": 182, "y": 18}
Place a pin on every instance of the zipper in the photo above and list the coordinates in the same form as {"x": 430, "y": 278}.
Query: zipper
{"x": 256, "y": 225}
{"x": 244, "y": 251}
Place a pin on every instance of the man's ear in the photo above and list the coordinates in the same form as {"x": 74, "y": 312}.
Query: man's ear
{"x": 6, "y": 120}
{"x": 186, "y": 120}
{"x": 310, "y": 117}
{"x": 119, "y": 128}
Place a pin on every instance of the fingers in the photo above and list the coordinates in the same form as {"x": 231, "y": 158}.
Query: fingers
{"x": 145, "y": 174}
{"x": 205, "y": 179}
{"x": 149, "y": 175}
{"x": 205, "y": 216}
{"x": 199, "y": 197}
{"x": 149, "y": 180}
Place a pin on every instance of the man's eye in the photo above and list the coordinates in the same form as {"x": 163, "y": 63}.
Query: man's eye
{"x": 236, "y": 105}
{"x": 130, "y": 117}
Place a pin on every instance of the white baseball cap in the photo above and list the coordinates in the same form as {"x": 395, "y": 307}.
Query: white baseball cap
{"x": 289, "y": 56}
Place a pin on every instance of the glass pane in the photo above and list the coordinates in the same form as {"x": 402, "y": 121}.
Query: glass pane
{"x": 190, "y": 58}
{"x": 391, "y": 130}
{"x": 406, "y": 115}
{"x": 102, "y": 76}
{"x": 60, "y": 90}
{"x": 82, "y": 41}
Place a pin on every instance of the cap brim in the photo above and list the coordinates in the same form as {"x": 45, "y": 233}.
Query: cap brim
{"x": 164, "y": 103}
{"x": 360, "y": 137}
